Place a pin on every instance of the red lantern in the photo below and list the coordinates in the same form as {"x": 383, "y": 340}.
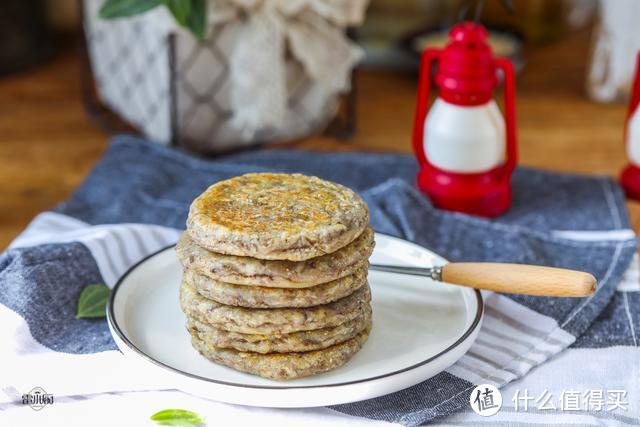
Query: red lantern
{"x": 466, "y": 150}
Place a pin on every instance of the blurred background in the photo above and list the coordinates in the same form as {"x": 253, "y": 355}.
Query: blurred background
{"x": 69, "y": 79}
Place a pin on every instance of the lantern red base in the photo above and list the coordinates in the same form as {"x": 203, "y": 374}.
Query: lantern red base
{"x": 630, "y": 180}
{"x": 485, "y": 194}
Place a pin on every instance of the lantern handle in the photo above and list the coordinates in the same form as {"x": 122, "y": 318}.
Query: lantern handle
{"x": 510, "y": 112}
{"x": 424, "y": 89}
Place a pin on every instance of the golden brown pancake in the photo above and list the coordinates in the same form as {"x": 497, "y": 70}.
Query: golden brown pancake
{"x": 280, "y": 343}
{"x": 272, "y": 320}
{"x": 264, "y": 297}
{"x": 284, "y": 366}
{"x": 276, "y": 273}
{"x": 276, "y": 216}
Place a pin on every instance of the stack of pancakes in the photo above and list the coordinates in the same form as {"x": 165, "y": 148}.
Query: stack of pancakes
{"x": 275, "y": 274}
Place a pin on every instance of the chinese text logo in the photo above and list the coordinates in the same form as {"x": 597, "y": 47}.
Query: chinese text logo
{"x": 485, "y": 400}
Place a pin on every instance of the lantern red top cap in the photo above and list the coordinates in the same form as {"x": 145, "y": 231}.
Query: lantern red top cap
{"x": 467, "y": 72}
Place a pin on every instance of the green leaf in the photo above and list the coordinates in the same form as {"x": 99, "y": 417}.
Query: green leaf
{"x": 177, "y": 418}
{"x": 191, "y": 14}
{"x": 197, "y": 21}
{"x": 180, "y": 9}
{"x": 120, "y": 8}
{"x": 93, "y": 302}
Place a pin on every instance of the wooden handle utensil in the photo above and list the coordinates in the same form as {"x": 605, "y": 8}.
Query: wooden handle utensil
{"x": 507, "y": 278}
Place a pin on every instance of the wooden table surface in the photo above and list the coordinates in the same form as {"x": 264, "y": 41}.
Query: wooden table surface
{"x": 48, "y": 144}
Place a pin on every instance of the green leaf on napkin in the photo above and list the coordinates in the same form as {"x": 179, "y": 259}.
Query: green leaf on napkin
{"x": 93, "y": 302}
{"x": 177, "y": 418}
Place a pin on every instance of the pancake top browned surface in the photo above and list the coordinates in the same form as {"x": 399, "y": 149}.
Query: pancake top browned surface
{"x": 276, "y": 216}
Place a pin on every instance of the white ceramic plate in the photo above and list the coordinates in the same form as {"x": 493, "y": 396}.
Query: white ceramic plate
{"x": 420, "y": 327}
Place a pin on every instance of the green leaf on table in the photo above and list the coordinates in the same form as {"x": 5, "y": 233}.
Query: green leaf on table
{"x": 180, "y": 9}
{"x": 177, "y": 418}
{"x": 93, "y": 302}
{"x": 197, "y": 20}
{"x": 120, "y": 8}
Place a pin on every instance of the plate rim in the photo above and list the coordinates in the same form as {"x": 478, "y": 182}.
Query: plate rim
{"x": 115, "y": 328}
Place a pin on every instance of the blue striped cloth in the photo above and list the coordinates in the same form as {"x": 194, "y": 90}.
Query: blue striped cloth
{"x": 135, "y": 201}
